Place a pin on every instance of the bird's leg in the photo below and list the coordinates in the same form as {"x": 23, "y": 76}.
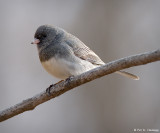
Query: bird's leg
{"x": 52, "y": 85}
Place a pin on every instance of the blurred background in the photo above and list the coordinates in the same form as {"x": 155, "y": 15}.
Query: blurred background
{"x": 113, "y": 29}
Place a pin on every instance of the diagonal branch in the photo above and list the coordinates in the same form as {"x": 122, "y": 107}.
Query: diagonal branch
{"x": 62, "y": 87}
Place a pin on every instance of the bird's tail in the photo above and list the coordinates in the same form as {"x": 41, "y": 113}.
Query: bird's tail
{"x": 129, "y": 75}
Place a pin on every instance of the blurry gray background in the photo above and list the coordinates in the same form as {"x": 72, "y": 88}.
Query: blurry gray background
{"x": 113, "y": 29}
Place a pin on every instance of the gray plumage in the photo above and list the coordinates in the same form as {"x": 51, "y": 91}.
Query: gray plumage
{"x": 64, "y": 55}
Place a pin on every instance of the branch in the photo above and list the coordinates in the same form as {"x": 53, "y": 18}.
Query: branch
{"x": 62, "y": 87}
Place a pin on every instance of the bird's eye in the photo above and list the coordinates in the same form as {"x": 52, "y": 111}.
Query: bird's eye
{"x": 43, "y": 35}
{"x": 39, "y": 36}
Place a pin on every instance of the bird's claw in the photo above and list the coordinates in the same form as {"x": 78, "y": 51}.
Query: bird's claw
{"x": 69, "y": 78}
{"x": 49, "y": 89}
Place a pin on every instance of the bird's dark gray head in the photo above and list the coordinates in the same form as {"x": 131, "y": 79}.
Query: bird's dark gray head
{"x": 45, "y": 34}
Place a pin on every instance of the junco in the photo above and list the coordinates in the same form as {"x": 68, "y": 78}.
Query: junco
{"x": 64, "y": 55}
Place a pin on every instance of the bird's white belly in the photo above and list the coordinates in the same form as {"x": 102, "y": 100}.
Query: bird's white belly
{"x": 63, "y": 69}
{"x": 55, "y": 68}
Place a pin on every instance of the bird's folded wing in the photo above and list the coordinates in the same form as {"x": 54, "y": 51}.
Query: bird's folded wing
{"x": 82, "y": 51}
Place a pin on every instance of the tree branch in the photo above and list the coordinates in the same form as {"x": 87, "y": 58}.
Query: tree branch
{"x": 62, "y": 87}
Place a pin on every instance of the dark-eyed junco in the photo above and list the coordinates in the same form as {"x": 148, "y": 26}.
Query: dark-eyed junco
{"x": 64, "y": 55}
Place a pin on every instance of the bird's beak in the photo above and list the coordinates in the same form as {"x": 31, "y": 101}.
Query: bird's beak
{"x": 35, "y": 41}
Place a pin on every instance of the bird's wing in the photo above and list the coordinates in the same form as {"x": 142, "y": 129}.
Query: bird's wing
{"x": 82, "y": 51}
{"x": 86, "y": 53}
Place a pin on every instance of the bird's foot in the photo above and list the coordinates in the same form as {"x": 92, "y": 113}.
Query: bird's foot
{"x": 69, "y": 78}
{"x": 48, "y": 90}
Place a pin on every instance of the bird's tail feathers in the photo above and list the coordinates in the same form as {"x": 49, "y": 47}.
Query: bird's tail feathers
{"x": 129, "y": 75}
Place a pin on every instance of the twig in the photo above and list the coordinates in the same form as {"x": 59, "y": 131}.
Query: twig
{"x": 62, "y": 87}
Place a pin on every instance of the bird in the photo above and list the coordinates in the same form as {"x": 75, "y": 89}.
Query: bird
{"x": 64, "y": 55}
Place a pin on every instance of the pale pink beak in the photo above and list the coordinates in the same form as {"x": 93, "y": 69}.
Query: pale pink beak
{"x": 35, "y": 41}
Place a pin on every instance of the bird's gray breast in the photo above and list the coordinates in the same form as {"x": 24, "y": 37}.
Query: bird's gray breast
{"x": 58, "y": 60}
